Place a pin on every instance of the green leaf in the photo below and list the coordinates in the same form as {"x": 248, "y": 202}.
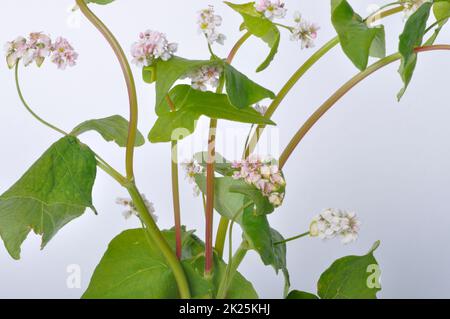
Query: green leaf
{"x": 113, "y": 128}
{"x": 226, "y": 203}
{"x": 358, "y": 41}
{"x": 242, "y": 91}
{"x": 412, "y": 37}
{"x": 263, "y": 206}
{"x": 259, "y": 26}
{"x": 296, "y": 294}
{"x": 351, "y": 277}
{"x": 378, "y": 47}
{"x": 190, "y": 105}
{"x": 280, "y": 258}
{"x": 132, "y": 268}
{"x": 441, "y": 11}
{"x": 221, "y": 164}
{"x": 54, "y": 191}
{"x": 172, "y": 70}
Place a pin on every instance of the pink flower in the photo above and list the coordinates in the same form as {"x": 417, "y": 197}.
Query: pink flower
{"x": 63, "y": 54}
{"x": 152, "y": 45}
{"x": 271, "y": 8}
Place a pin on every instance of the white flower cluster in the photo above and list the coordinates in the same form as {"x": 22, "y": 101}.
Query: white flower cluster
{"x": 271, "y": 8}
{"x": 152, "y": 45}
{"x": 304, "y": 31}
{"x": 192, "y": 168}
{"x": 411, "y": 6}
{"x": 264, "y": 175}
{"x": 334, "y": 222}
{"x": 131, "y": 208}
{"x": 207, "y": 22}
{"x": 37, "y": 47}
{"x": 205, "y": 76}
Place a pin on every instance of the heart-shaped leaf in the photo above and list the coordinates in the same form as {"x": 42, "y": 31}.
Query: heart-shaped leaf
{"x": 54, "y": 191}
{"x": 358, "y": 41}
{"x": 351, "y": 277}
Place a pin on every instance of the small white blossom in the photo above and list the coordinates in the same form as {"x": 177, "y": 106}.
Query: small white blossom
{"x": 304, "y": 31}
{"x": 207, "y": 22}
{"x": 334, "y": 222}
{"x": 261, "y": 109}
{"x": 411, "y": 6}
{"x": 131, "y": 208}
{"x": 152, "y": 45}
{"x": 271, "y": 8}
{"x": 205, "y": 77}
{"x": 192, "y": 168}
{"x": 264, "y": 175}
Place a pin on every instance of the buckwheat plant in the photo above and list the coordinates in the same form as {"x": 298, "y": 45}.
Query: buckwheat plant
{"x": 152, "y": 263}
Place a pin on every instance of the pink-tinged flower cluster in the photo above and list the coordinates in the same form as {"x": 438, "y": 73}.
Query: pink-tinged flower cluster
{"x": 152, "y": 45}
{"x": 208, "y": 22}
{"x": 271, "y": 8}
{"x": 63, "y": 54}
{"x": 335, "y": 222}
{"x": 192, "y": 168}
{"x": 304, "y": 31}
{"x": 264, "y": 175}
{"x": 131, "y": 209}
{"x": 207, "y": 76}
{"x": 37, "y": 47}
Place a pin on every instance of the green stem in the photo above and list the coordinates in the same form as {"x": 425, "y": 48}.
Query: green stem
{"x": 22, "y": 99}
{"x": 122, "y": 180}
{"x": 237, "y": 46}
{"x": 221, "y": 233}
{"x": 159, "y": 240}
{"x": 129, "y": 79}
{"x": 292, "y": 238}
{"x": 232, "y": 268}
{"x": 314, "y": 118}
{"x": 145, "y": 216}
{"x": 176, "y": 198}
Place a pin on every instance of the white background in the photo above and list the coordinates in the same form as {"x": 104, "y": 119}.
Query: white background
{"x": 387, "y": 161}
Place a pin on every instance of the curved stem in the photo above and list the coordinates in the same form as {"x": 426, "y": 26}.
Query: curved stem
{"x": 22, "y": 99}
{"x": 298, "y": 75}
{"x": 340, "y": 93}
{"x": 292, "y": 238}
{"x": 237, "y": 46}
{"x": 144, "y": 214}
{"x": 129, "y": 79}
